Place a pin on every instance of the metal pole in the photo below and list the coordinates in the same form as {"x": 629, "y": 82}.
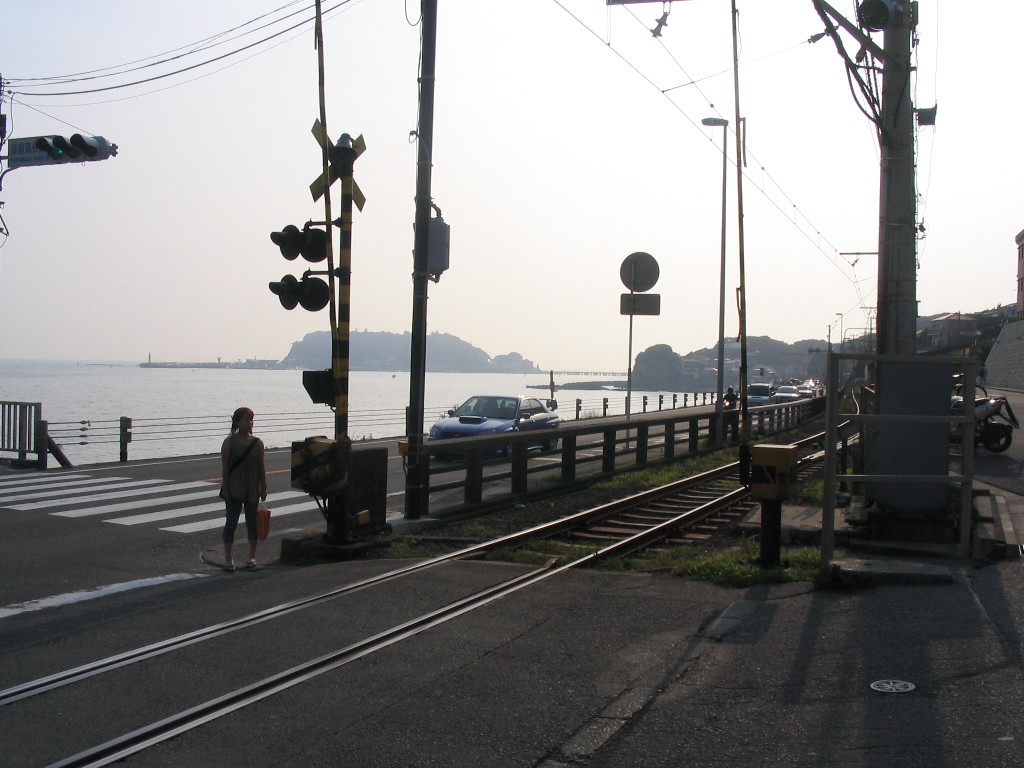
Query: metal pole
{"x": 719, "y": 425}
{"x": 417, "y": 476}
{"x": 744, "y": 452}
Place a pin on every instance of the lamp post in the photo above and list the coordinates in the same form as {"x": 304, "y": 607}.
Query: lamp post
{"x": 841, "y": 350}
{"x": 719, "y": 425}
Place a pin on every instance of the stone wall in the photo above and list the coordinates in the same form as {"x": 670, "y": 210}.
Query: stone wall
{"x": 1005, "y": 362}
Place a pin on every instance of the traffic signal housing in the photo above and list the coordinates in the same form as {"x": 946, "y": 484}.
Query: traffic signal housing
{"x": 77, "y": 148}
{"x": 877, "y": 15}
{"x": 309, "y": 242}
{"x": 311, "y": 293}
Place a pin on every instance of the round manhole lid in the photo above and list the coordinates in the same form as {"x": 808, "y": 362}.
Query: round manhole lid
{"x": 892, "y": 686}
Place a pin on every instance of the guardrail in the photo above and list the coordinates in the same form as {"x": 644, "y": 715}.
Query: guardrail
{"x": 23, "y": 432}
{"x": 592, "y": 448}
{"x": 191, "y": 434}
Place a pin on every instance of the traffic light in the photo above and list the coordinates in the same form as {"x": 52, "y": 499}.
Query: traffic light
{"x": 308, "y": 242}
{"x": 78, "y": 148}
{"x": 311, "y": 293}
{"x": 877, "y": 15}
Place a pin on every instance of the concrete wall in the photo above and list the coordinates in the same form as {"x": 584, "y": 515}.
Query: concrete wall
{"x": 1006, "y": 360}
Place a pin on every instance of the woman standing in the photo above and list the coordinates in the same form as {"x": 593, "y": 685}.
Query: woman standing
{"x": 245, "y": 482}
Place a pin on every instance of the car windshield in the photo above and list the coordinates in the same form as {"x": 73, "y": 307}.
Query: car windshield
{"x": 785, "y": 390}
{"x": 759, "y": 390}
{"x": 489, "y": 407}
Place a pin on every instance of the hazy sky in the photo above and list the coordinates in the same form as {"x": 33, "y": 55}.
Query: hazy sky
{"x": 566, "y": 137}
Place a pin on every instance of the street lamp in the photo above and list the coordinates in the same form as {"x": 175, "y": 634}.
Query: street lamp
{"x": 719, "y": 425}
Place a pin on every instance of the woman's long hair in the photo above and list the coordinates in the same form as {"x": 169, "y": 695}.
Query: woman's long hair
{"x": 237, "y": 416}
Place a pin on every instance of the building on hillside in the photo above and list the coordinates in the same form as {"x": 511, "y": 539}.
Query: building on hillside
{"x": 954, "y": 329}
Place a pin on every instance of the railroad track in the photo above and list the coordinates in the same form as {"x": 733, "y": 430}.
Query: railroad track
{"x": 678, "y": 512}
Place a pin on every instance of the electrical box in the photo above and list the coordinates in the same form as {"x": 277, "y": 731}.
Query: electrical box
{"x": 438, "y": 244}
{"x": 772, "y": 470}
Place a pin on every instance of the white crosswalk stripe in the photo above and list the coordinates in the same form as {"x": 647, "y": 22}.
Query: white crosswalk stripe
{"x": 176, "y": 507}
{"x": 63, "y": 489}
{"x": 206, "y": 525}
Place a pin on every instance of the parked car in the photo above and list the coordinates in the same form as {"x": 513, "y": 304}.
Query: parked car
{"x": 786, "y": 394}
{"x": 496, "y": 414}
{"x": 759, "y": 394}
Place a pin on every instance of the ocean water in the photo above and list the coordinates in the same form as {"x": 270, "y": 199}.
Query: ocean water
{"x": 186, "y": 411}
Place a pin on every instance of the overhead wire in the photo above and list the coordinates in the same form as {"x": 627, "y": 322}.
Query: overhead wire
{"x": 164, "y": 57}
{"x": 301, "y": 25}
{"x": 694, "y": 81}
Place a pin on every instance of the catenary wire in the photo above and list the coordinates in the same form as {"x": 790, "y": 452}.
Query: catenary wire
{"x": 664, "y": 92}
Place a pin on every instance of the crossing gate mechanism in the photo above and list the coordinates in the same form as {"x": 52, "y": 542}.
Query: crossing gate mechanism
{"x": 772, "y": 471}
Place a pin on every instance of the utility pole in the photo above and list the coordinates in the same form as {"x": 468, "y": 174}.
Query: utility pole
{"x": 417, "y": 477}
{"x": 897, "y": 204}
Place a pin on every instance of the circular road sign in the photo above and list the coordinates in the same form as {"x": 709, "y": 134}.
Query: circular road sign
{"x": 639, "y": 272}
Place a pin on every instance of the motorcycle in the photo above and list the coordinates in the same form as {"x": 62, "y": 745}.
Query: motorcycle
{"x": 994, "y": 422}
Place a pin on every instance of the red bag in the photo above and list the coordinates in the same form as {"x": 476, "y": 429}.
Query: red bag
{"x": 262, "y": 523}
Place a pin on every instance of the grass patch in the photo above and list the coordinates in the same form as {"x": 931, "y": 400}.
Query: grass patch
{"x": 738, "y": 567}
{"x": 539, "y": 552}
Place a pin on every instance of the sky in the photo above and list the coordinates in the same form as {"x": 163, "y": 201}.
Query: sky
{"x": 566, "y": 137}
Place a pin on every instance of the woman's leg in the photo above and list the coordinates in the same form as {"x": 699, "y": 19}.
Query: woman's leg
{"x": 250, "y": 529}
{"x": 232, "y": 510}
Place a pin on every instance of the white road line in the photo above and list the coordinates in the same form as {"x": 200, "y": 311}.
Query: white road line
{"x": 206, "y": 525}
{"x": 104, "y": 496}
{"x": 43, "y": 480}
{"x": 57, "y": 498}
{"x": 170, "y": 514}
{"x": 50, "y": 493}
{"x": 70, "y": 598}
{"x": 132, "y": 506}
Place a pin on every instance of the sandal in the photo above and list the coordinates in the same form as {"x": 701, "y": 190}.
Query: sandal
{"x": 230, "y": 567}
{"x": 251, "y": 564}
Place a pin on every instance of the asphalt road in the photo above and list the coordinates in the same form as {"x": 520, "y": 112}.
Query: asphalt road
{"x": 589, "y": 669}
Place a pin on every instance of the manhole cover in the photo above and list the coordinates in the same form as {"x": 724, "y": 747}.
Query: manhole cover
{"x": 892, "y": 686}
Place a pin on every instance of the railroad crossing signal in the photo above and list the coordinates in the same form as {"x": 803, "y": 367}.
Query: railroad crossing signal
{"x": 311, "y": 293}
{"x": 56, "y": 150}
{"x": 316, "y": 189}
{"x": 308, "y": 242}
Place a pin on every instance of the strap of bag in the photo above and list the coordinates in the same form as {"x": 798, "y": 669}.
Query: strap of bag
{"x": 240, "y": 459}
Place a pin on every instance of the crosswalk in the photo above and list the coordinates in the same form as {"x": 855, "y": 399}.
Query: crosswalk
{"x": 176, "y": 507}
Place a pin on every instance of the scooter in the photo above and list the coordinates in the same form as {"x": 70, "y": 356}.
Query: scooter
{"x": 994, "y": 422}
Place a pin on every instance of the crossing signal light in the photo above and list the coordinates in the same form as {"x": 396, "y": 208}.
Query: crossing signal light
{"x": 877, "y": 15}
{"x": 308, "y": 242}
{"x": 311, "y": 293}
{"x": 77, "y": 148}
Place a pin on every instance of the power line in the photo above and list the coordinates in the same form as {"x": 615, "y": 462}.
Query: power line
{"x": 664, "y": 92}
{"x": 121, "y": 70}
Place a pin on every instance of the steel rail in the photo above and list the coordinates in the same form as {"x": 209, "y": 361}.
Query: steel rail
{"x": 150, "y": 735}
{"x": 552, "y": 528}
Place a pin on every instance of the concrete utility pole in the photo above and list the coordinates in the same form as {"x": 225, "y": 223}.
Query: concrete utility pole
{"x": 897, "y": 201}
{"x": 417, "y": 471}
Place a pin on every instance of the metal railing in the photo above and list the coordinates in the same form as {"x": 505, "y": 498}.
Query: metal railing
{"x": 588, "y": 449}
{"x": 23, "y": 432}
{"x": 191, "y": 434}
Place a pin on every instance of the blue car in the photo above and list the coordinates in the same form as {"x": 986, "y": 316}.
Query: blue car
{"x": 495, "y": 414}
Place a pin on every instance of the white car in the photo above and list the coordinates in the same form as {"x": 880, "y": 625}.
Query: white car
{"x": 759, "y": 394}
{"x": 786, "y": 394}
